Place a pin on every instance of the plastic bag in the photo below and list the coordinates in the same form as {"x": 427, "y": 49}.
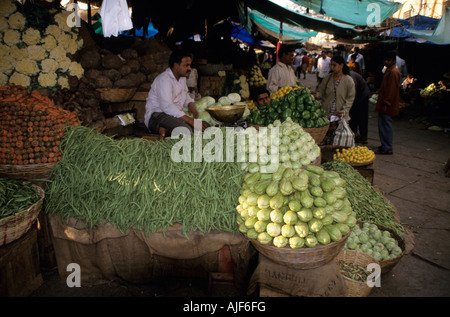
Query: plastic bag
{"x": 115, "y": 17}
{"x": 344, "y": 136}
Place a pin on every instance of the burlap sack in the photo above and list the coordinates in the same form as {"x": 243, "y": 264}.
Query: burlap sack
{"x": 105, "y": 253}
{"x": 281, "y": 281}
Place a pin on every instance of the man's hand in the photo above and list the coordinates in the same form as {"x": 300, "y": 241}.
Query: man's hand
{"x": 192, "y": 110}
{"x": 190, "y": 121}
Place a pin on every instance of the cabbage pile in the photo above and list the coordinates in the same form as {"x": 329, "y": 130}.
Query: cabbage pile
{"x": 371, "y": 240}
{"x": 208, "y": 101}
{"x": 295, "y": 146}
{"x": 295, "y": 208}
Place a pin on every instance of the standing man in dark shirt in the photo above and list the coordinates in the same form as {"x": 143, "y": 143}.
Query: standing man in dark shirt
{"x": 388, "y": 103}
{"x": 359, "y": 113}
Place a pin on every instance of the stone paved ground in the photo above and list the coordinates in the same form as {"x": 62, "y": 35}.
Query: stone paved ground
{"x": 412, "y": 179}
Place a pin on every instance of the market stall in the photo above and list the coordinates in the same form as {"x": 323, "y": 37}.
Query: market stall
{"x": 125, "y": 205}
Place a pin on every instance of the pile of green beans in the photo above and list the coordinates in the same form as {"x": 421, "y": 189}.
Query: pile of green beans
{"x": 15, "y": 196}
{"x": 370, "y": 205}
{"x": 353, "y": 271}
{"x": 135, "y": 183}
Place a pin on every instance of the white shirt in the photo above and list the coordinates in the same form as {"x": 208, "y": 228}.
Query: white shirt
{"x": 401, "y": 65}
{"x": 279, "y": 76}
{"x": 167, "y": 95}
{"x": 359, "y": 59}
{"x": 323, "y": 66}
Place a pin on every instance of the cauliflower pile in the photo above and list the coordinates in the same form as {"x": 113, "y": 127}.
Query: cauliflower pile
{"x": 35, "y": 45}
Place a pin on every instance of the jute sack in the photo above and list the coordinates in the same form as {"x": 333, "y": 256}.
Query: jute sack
{"x": 324, "y": 281}
{"x": 105, "y": 253}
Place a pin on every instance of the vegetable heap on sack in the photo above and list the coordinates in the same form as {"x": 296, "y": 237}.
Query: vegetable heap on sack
{"x": 135, "y": 183}
{"x": 297, "y": 103}
{"x": 373, "y": 241}
{"x": 296, "y": 147}
{"x": 15, "y": 196}
{"x": 295, "y": 208}
{"x": 31, "y": 127}
{"x": 209, "y": 102}
{"x": 34, "y": 46}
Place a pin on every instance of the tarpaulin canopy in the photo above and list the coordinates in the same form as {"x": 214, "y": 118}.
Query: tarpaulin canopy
{"x": 415, "y": 23}
{"x": 276, "y": 31}
{"x": 357, "y": 12}
{"x": 289, "y": 16}
{"x": 441, "y": 34}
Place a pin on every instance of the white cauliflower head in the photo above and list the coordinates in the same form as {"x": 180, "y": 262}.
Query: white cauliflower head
{"x": 17, "y": 21}
{"x": 49, "y": 65}
{"x": 11, "y": 37}
{"x": 47, "y": 80}
{"x": 75, "y": 69}
{"x": 20, "y": 79}
{"x": 27, "y": 67}
{"x": 36, "y": 52}
{"x": 31, "y": 36}
{"x": 63, "y": 82}
{"x": 7, "y": 7}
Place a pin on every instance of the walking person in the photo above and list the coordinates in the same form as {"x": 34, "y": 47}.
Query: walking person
{"x": 336, "y": 93}
{"x": 388, "y": 103}
{"x": 323, "y": 67}
{"x": 359, "y": 113}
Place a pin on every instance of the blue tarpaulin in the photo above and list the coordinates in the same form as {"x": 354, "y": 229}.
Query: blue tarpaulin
{"x": 416, "y": 23}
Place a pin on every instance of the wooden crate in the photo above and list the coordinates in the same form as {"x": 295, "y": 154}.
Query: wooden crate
{"x": 20, "y": 272}
{"x": 367, "y": 172}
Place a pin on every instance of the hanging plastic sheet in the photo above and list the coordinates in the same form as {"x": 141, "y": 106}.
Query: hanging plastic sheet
{"x": 284, "y": 33}
{"x": 115, "y": 17}
{"x": 440, "y": 35}
{"x": 286, "y": 15}
{"x": 357, "y": 12}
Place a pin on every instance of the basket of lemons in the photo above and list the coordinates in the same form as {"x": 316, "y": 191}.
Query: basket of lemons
{"x": 355, "y": 156}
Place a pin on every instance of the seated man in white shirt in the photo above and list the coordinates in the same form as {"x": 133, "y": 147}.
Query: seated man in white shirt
{"x": 282, "y": 74}
{"x": 169, "y": 95}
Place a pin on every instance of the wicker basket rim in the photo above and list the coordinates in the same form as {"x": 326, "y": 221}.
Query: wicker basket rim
{"x": 301, "y": 250}
{"x": 27, "y": 167}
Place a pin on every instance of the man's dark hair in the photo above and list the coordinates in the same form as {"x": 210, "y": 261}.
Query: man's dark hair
{"x": 285, "y": 49}
{"x": 390, "y": 55}
{"x": 258, "y": 91}
{"x": 177, "y": 55}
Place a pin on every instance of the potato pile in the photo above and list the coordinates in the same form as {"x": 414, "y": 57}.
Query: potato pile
{"x": 108, "y": 70}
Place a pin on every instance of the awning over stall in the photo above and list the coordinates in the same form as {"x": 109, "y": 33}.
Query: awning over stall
{"x": 441, "y": 34}
{"x": 285, "y": 15}
{"x": 277, "y": 31}
{"x": 357, "y": 12}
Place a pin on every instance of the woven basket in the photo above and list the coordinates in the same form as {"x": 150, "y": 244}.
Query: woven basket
{"x": 304, "y": 258}
{"x": 15, "y": 226}
{"x": 318, "y": 134}
{"x": 356, "y": 288}
{"x": 388, "y": 265}
{"x": 328, "y": 151}
{"x": 27, "y": 172}
{"x": 116, "y": 94}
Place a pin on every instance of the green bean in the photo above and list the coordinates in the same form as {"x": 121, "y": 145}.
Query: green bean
{"x": 370, "y": 205}
{"x": 134, "y": 183}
